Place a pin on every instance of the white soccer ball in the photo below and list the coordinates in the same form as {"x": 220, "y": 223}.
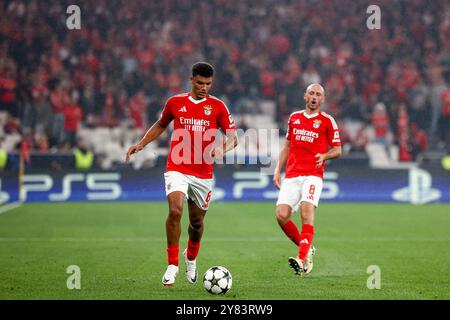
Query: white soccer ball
{"x": 217, "y": 280}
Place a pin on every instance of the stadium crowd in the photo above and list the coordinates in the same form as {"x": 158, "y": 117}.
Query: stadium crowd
{"x": 129, "y": 56}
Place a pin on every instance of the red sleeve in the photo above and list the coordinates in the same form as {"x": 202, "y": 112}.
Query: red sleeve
{"x": 288, "y": 133}
{"x": 334, "y": 138}
{"x": 166, "y": 115}
{"x": 225, "y": 120}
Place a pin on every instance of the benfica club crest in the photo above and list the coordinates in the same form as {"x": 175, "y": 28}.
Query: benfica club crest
{"x": 316, "y": 123}
{"x": 207, "y": 109}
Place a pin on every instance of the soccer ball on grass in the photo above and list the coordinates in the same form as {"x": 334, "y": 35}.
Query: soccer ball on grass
{"x": 217, "y": 280}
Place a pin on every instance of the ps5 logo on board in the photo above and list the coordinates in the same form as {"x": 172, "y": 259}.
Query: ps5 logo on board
{"x": 419, "y": 190}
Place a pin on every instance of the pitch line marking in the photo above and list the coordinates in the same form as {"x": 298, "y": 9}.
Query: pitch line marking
{"x": 9, "y": 207}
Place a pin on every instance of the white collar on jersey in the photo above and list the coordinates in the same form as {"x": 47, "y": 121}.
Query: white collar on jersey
{"x": 309, "y": 116}
{"x": 196, "y": 101}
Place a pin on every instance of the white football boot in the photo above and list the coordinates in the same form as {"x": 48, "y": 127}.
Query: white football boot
{"x": 170, "y": 275}
{"x": 191, "y": 269}
{"x": 308, "y": 263}
{"x": 296, "y": 264}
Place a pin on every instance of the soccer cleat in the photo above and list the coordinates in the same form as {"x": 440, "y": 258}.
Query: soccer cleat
{"x": 191, "y": 269}
{"x": 296, "y": 264}
{"x": 308, "y": 263}
{"x": 170, "y": 275}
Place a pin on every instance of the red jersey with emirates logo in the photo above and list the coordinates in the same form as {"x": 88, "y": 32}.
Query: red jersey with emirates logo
{"x": 195, "y": 126}
{"x": 308, "y": 136}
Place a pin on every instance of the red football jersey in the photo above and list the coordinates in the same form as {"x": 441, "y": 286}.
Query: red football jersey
{"x": 308, "y": 136}
{"x": 195, "y": 127}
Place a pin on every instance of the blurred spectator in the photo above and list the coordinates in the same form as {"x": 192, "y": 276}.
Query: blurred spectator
{"x": 137, "y": 110}
{"x": 403, "y": 134}
{"x": 28, "y": 140}
{"x": 360, "y": 141}
{"x": 445, "y": 161}
{"x": 72, "y": 118}
{"x": 436, "y": 91}
{"x": 88, "y": 97}
{"x": 3, "y": 156}
{"x": 444, "y": 125}
{"x": 8, "y": 87}
{"x": 311, "y": 75}
{"x": 59, "y": 98}
{"x": 419, "y": 104}
{"x": 380, "y": 123}
{"x": 42, "y": 144}
{"x": 37, "y": 113}
{"x": 84, "y": 158}
{"x": 108, "y": 117}
{"x": 12, "y": 125}
{"x": 418, "y": 140}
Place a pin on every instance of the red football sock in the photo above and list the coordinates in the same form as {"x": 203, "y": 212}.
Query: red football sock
{"x": 291, "y": 230}
{"x": 172, "y": 254}
{"x": 306, "y": 239}
{"x": 192, "y": 250}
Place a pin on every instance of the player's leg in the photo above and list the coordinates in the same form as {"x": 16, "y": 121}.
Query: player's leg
{"x": 311, "y": 191}
{"x": 288, "y": 198}
{"x": 176, "y": 190}
{"x": 173, "y": 224}
{"x": 305, "y": 248}
{"x": 173, "y": 232}
{"x": 199, "y": 194}
{"x": 283, "y": 213}
{"x": 195, "y": 231}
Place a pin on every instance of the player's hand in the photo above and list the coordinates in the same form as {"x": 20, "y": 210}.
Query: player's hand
{"x": 277, "y": 180}
{"x": 217, "y": 153}
{"x": 320, "y": 159}
{"x": 132, "y": 150}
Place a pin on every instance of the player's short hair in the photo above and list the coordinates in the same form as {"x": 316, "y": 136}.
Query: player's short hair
{"x": 203, "y": 69}
{"x": 315, "y": 84}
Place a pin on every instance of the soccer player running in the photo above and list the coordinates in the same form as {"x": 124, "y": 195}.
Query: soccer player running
{"x": 310, "y": 133}
{"x": 189, "y": 173}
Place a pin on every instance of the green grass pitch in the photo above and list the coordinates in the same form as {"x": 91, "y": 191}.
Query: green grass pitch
{"x": 121, "y": 251}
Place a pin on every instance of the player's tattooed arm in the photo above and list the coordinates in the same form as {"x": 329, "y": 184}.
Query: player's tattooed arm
{"x": 334, "y": 152}
{"x": 153, "y": 133}
{"x": 284, "y": 154}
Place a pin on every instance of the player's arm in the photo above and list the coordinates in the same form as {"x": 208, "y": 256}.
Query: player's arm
{"x": 334, "y": 152}
{"x": 153, "y": 133}
{"x": 226, "y": 124}
{"x": 334, "y": 141}
{"x": 231, "y": 141}
{"x": 284, "y": 154}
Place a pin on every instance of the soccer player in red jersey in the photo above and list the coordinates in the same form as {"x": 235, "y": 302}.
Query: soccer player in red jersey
{"x": 189, "y": 173}
{"x": 310, "y": 134}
